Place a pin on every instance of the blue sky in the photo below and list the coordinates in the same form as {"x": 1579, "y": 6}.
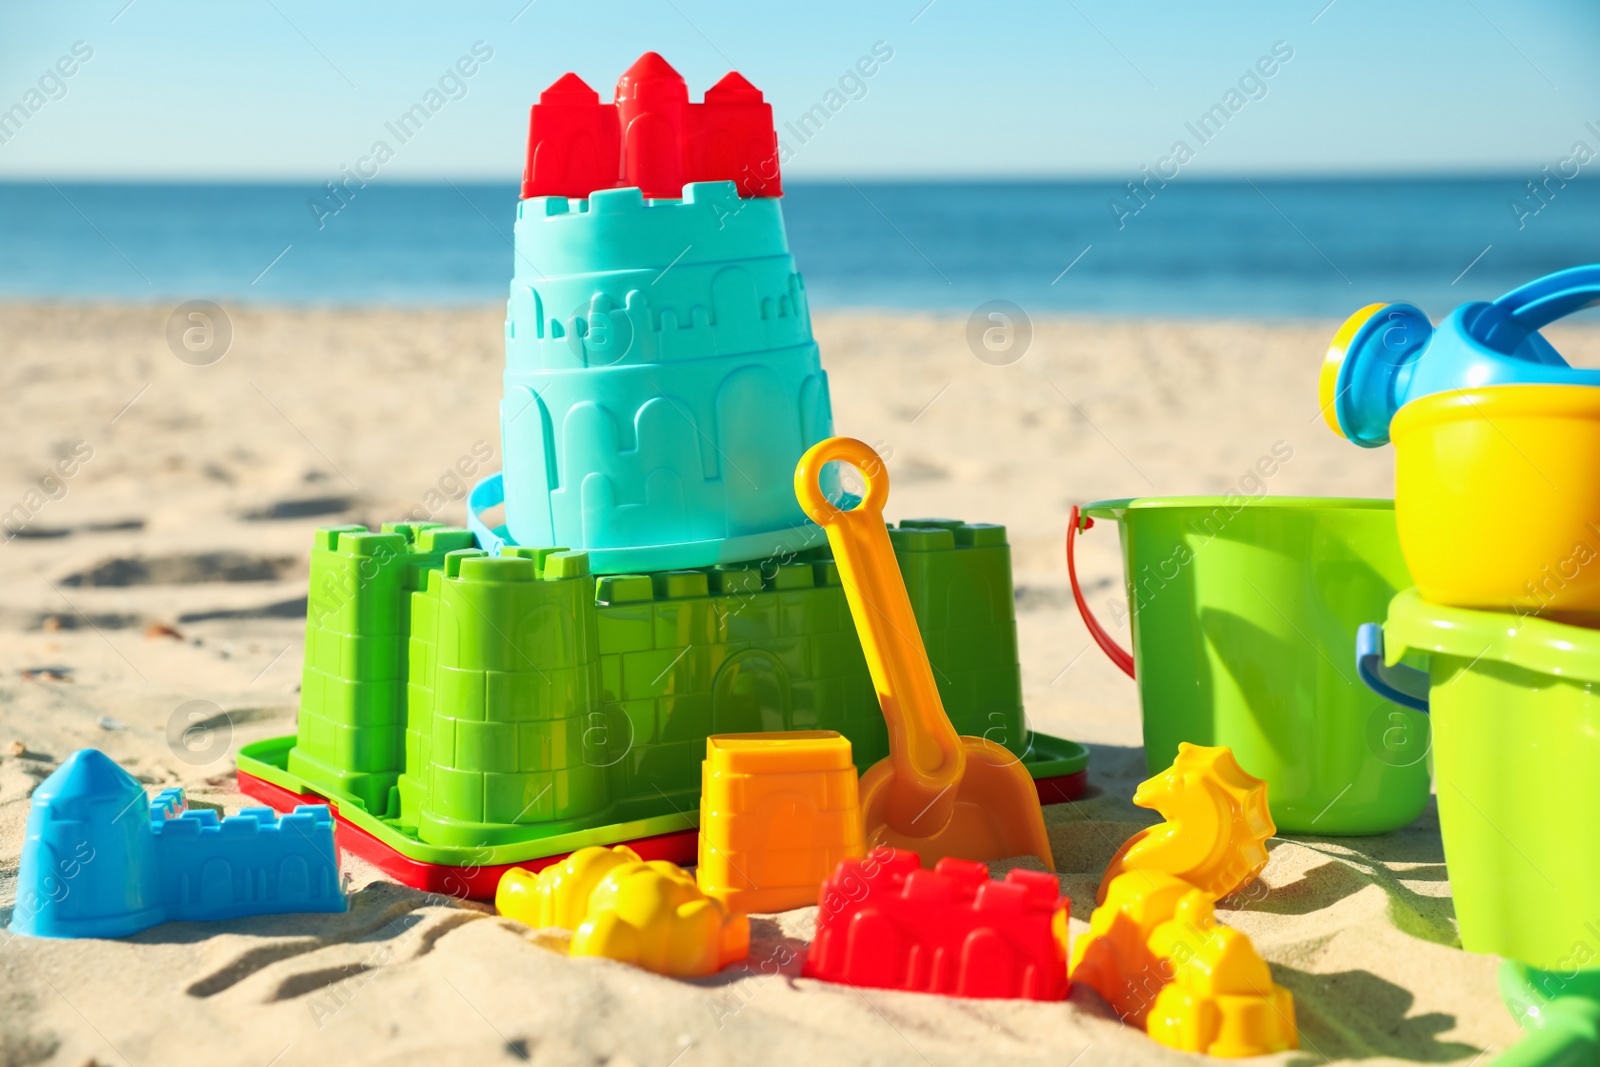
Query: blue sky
{"x": 290, "y": 89}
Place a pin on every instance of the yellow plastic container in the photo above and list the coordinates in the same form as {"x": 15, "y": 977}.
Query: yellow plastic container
{"x": 778, "y": 812}
{"x": 1497, "y": 498}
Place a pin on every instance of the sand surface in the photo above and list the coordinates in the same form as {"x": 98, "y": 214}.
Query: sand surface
{"x": 170, "y": 568}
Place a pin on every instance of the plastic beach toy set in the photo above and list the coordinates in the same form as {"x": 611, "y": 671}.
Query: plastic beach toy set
{"x": 642, "y": 576}
{"x": 1497, "y": 501}
{"x": 669, "y": 639}
{"x": 1468, "y": 607}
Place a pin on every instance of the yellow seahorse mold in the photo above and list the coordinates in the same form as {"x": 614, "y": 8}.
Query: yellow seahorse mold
{"x": 648, "y": 914}
{"x": 1216, "y": 829}
{"x": 1156, "y": 953}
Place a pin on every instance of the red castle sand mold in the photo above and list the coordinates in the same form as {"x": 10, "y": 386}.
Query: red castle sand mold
{"x": 886, "y": 923}
{"x": 651, "y": 137}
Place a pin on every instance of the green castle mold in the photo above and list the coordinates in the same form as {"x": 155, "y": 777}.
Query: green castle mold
{"x": 958, "y": 576}
{"x": 468, "y": 709}
{"x": 517, "y": 676}
{"x": 353, "y": 689}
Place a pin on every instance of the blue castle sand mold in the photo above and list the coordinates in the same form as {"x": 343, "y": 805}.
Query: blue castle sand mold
{"x": 102, "y": 860}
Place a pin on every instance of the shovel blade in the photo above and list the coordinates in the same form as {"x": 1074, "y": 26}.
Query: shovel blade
{"x": 996, "y": 814}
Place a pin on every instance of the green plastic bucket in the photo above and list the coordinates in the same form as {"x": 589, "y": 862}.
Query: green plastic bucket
{"x": 1516, "y": 750}
{"x": 1244, "y": 614}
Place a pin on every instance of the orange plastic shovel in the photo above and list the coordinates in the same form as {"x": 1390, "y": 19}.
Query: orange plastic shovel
{"x": 938, "y": 794}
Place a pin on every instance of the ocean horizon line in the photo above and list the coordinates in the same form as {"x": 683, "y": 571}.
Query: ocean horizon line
{"x": 1187, "y": 247}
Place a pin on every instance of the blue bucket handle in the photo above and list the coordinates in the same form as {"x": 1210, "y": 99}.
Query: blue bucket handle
{"x": 1406, "y": 686}
{"x": 485, "y": 495}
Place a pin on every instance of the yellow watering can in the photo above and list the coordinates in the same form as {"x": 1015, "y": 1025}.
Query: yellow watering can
{"x": 937, "y": 794}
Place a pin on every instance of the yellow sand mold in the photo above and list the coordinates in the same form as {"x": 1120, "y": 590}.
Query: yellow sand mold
{"x": 648, "y": 914}
{"x": 1216, "y": 829}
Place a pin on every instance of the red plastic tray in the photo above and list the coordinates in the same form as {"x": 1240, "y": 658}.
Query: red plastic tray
{"x": 479, "y": 883}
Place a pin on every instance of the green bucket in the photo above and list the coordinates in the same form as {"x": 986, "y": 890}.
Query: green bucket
{"x": 1244, "y": 614}
{"x": 1515, "y": 703}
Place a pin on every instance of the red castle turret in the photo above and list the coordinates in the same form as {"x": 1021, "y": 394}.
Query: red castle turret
{"x": 653, "y": 110}
{"x": 572, "y": 141}
{"x": 652, "y": 137}
{"x": 736, "y": 139}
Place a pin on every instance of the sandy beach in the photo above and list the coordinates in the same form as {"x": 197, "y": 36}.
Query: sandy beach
{"x": 169, "y": 567}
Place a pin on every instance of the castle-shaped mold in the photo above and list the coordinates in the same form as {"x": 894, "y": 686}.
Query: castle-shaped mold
{"x": 468, "y": 706}
{"x": 886, "y": 922}
{"x": 652, "y": 138}
{"x": 661, "y": 379}
{"x": 539, "y": 706}
{"x": 99, "y": 859}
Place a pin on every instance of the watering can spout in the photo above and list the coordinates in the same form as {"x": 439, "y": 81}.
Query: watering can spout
{"x": 1368, "y": 363}
{"x": 1386, "y": 355}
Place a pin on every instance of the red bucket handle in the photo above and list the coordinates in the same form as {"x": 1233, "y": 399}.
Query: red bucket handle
{"x": 1116, "y": 652}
